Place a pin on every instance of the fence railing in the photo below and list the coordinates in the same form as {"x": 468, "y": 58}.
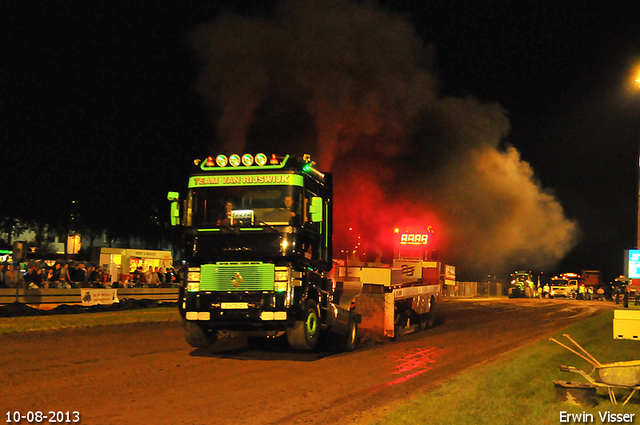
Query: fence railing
{"x": 45, "y": 297}
{"x": 474, "y": 289}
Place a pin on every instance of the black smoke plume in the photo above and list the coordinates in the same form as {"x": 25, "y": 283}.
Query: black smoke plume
{"x": 351, "y": 84}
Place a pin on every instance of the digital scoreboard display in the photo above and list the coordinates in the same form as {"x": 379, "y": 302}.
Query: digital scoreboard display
{"x": 414, "y": 239}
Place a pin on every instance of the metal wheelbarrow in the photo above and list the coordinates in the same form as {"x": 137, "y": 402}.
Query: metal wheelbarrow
{"x": 611, "y": 375}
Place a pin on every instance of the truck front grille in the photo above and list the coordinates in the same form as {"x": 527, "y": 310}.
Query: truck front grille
{"x": 237, "y": 277}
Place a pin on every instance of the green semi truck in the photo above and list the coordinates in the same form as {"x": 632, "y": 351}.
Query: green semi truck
{"x": 258, "y": 253}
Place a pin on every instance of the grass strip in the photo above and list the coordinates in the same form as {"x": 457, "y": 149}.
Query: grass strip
{"x": 61, "y": 321}
{"x": 517, "y": 388}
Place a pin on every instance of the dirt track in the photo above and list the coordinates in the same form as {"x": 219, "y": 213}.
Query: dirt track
{"x": 146, "y": 373}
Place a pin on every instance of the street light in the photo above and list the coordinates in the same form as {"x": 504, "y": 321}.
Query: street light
{"x": 634, "y": 81}
{"x": 634, "y": 77}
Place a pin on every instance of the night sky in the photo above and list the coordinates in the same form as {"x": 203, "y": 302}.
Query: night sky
{"x": 107, "y": 104}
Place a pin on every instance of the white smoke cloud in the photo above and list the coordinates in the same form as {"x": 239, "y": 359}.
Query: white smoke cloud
{"x": 498, "y": 215}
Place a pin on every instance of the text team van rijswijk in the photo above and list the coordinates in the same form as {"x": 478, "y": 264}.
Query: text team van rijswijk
{"x": 241, "y": 179}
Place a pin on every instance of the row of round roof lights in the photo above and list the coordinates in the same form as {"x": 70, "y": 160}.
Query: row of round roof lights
{"x": 247, "y": 159}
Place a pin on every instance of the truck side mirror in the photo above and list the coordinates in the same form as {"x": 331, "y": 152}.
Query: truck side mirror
{"x": 315, "y": 209}
{"x": 175, "y": 208}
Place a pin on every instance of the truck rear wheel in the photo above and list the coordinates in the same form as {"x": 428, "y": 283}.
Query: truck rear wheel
{"x": 430, "y": 316}
{"x": 303, "y": 335}
{"x": 426, "y": 320}
{"x": 350, "y": 340}
{"x": 197, "y": 336}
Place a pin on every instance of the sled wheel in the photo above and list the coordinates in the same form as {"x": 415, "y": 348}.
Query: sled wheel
{"x": 399, "y": 325}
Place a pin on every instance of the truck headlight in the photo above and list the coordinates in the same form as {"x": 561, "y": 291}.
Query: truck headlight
{"x": 281, "y": 279}
{"x": 281, "y": 275}
{"x": 193, "y": 279}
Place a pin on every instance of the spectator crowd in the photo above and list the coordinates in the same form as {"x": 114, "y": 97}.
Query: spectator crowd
{"x": 81, "y": 275}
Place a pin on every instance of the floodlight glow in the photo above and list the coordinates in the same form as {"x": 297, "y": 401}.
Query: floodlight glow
{"x": 234, "y": 160}
{"x": 247, "y": 159}
{"x": 221, "y": 160}
{"x": 261, "y": 159}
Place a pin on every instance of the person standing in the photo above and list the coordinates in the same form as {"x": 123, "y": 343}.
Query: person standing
{"x": 48, "y": 277}
{"x": 92, "y": 275}
{"x": 65, "y": 277}
{"x": 168, "y": 277}
{"x": 11, "y": 277}
{"x": 37, "y": 279}
{"x": 148, "y": 276}
{"x": 101, "y": 276}
{"x": 91, "y": 272}
{"x": 154, "y": 277}
{"x": 136, "y": 275}
{"x": 161, "y": 276}
{"x": 80, "y": 276}
{"x": 625, "y": 297}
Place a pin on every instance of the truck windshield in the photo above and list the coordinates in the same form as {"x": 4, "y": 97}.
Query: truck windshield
{"x": 560, "y": 282}
{"x": 244, "y": 205}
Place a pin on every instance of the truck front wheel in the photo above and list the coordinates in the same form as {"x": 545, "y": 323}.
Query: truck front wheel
{"x": 303, "y": 335}
{"x": 197, "y": 336}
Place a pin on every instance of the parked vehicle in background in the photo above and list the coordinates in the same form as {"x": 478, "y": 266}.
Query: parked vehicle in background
{"x": 592, "y": 278}
{"x": 567, "y": 285}
{"x": 521, "y": 285}
{"x": 564, "y": 285}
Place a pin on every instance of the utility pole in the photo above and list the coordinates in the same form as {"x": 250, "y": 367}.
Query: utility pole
{"x": 636, "y": 76}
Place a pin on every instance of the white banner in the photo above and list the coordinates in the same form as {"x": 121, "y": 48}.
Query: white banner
{"x": 411, "y": 268}
{"x": 99, "y": 296}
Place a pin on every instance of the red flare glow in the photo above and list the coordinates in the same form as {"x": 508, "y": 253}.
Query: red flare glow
{"x": 365, "y": 215}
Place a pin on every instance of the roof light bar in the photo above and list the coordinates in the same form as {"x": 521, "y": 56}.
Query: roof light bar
{"x": 246, "y": 160}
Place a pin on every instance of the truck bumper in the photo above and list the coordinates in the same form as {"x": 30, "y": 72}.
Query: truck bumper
{"x": 249, "y": 312}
